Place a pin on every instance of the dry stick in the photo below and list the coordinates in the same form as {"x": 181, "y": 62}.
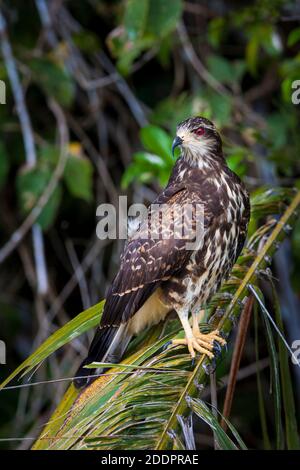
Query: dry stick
{"x": 20, "y": 233}
{"x": 236, "y": 358}
{"x": 30, "y": 151}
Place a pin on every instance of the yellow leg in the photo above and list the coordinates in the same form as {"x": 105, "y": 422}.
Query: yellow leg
{"x": 194, "y": 339}
{"x": 207, "y": 337}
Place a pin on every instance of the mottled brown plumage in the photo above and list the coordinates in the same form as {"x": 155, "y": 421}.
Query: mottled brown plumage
{"x": 158, "y": 274}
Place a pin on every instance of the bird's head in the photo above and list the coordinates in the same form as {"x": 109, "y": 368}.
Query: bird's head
{"x": 199, "y": 140}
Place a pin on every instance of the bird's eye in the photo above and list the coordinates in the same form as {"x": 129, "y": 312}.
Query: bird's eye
{"x": 199, "y": 131}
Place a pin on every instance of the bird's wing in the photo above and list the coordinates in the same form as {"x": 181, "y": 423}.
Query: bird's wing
{"x": 149, "y": 258}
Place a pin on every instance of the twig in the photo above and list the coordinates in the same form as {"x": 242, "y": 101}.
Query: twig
{"x": 125, "y": 91}
{"x": 236, "y": 358}
{"x": 46, "y": 21}
{"x": 20, "y": 233}
{"x": 30, "y": 152}
{"x": 78, "y": 271}
{"x": 205, "y": 75}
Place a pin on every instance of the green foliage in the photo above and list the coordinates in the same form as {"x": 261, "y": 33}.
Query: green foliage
{"x": 54, "y": 80}
{"x": 224, "y": 70}
{"x": 78, "y": 177}
{"x": 148, "y": 166}
{"x": 224, "y": 442}
{"x": 31, "y": 183}
{"x": 145, "y": 23}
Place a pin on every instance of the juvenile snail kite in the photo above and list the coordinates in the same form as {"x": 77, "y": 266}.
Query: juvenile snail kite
{"x": 157, "y": 272}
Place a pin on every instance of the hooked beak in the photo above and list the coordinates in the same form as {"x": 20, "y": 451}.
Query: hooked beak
{"x": 177, "y": 141}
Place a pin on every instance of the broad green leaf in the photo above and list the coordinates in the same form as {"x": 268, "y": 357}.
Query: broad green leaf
{"x": 163, "y": 16}
{"x": 252, "y": 50}
{"x": 147, "y": 167}
{"x": 221, "y": 107}
{"x": 294, "y": 37}
{"x": 135, "y": 18}
{"x": 220, "y": 68}
{"x": 277, "y": 130}
{"x": 236, "y": 161}
{"x": 156, "y": 140}
{"x": 31, "y": 184}
{"x": 80, "y": 324}
{"x": 78, "y": 176}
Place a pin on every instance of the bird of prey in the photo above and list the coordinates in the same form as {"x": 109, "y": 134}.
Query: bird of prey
{"x": 158, "y": 273}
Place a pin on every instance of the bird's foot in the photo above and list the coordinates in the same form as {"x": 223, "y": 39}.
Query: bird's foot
{"x": 206, "y": 344}
{"x": 195, "y": 344}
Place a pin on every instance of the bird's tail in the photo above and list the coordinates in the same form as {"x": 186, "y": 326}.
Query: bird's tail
{"x": 108, "y": 345}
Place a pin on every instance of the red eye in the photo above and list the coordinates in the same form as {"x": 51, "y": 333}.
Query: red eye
{"x": 199, "y": 131}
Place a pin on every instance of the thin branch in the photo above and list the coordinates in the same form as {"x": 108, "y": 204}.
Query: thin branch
{"x": 78, "y": 271}
{"x": 20, "y": 233}
{"x": 30, "y": 151}
{"x": 206, "y": 76}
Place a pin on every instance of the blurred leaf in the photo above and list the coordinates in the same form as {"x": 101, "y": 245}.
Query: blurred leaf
{"x": 156, "y": 140}
{"x": 221, "y": 107}
{"x": 277, "y": 130}
{"x": 31, "y": 184}
{"x": 216, "y": 28}
{"x": 163, "y": 114}
{"x": 294, "y": 37}
{"x": 86, "y": 41}
{"x": 48, "y": 156}
{"x": 135, "y": 18}
{"x": 79, "y": 176}
{"x": 163, "y": 16}
{"x": 236, "y": 158}
{"x": 53, "y": 79}
{"x": 146, "y": 167}
{"x": 224, "y": 70}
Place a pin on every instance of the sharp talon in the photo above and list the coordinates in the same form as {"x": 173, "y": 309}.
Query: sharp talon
{"x": 217, "y": 346}
{"x": 193, "y": 361}
{"x": 209, "y": 344}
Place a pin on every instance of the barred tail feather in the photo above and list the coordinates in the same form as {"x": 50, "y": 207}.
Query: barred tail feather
{"x": 108, "y": 345}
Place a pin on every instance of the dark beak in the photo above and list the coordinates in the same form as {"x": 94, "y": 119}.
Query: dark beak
{"x": 177, "y": 141}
